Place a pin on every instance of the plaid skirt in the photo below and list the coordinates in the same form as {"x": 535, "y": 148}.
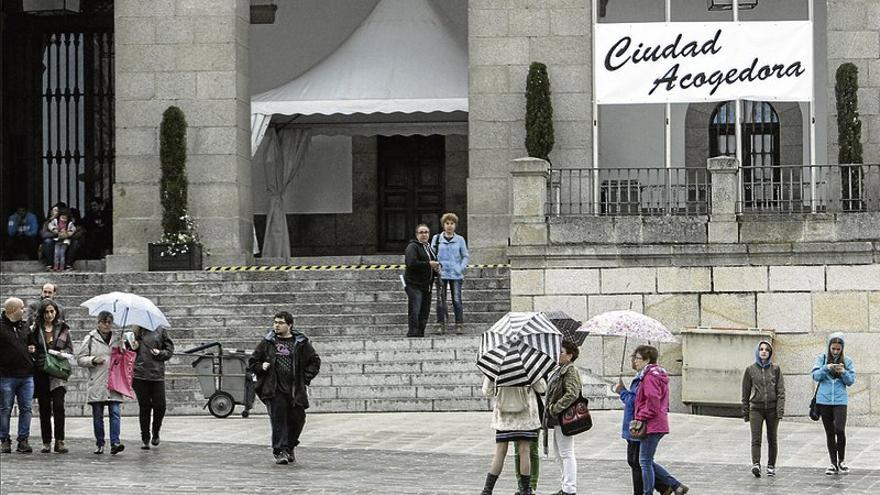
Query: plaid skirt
{"x": 514, "y": 435}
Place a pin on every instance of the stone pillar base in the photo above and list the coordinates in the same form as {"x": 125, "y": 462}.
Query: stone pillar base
{"x": 723, "y": 232}
{"x": 117, "y": 263}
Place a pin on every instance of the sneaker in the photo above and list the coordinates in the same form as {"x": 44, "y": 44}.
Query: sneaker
{"x": 459, "y": 328}
{"x": 844, "y": 469}
{"x": 756, "y": 470}
{"x": 23, "y": 447}
{"x": 6, "y": 447}
{"x": 116, "y": 448}
{"x": 831, "y": 470}
{"x": 145, "y": 446}
{"x": 99, "y": 449}
{"x": 771, "y": 470}
{"x": 667, "y": 491}
{"x": 440, "y": 329}
{"x": 681, "y": 489}
{"x": 155, "y": 440}
{"x": 281, "y": 458}
{"x": 59, "y": 447}
{"x": 47, "y": 447}
{"x": 291, "y": 457}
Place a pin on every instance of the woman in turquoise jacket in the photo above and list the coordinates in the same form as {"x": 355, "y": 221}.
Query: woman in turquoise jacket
{"x": 452, "y": 253}
{"x": 834, "y": 372}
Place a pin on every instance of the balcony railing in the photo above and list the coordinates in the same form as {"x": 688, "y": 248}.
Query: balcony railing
{"x": 629, "y": 191}
{"x": 783, "y": 189}
{"x": 809, "y": 188}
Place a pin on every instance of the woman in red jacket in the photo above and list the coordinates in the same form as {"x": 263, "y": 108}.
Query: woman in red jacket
{"x": 652, "y": 408}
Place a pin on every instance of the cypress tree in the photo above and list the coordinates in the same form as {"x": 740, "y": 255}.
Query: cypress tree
{"x": 173, "y": 186}
{"x": 849, "y": 133}
{"x": 539, "y": 112}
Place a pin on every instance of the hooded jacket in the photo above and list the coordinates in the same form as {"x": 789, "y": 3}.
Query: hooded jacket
{"x": 452, "y": 255}
{"x": 762, "y": 385}
{"x": 652, "y": 399}
{"x": 419, "y": 274}
{"x": 306, "y": 365}
{"x": 15, "y": 360}
{"x": 147, "y": 366}
{"x": 93, "y": 346}
{"x": 832, "y": 386}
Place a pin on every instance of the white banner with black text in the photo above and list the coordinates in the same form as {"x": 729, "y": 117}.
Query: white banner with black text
{"x": 678, "y": 62}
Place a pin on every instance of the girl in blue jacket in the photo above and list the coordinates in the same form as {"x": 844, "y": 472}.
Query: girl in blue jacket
{"x": 834, "y": 372}
{"x": 452, "y": 253}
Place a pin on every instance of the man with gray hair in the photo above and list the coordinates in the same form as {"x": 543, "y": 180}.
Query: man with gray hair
{"x": 16, "y": 375}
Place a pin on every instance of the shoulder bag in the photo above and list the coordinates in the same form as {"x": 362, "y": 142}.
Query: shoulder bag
{"x": 576, "y": 417}
{"x": 53, "y": 365}
{"x": 814, "y": 408}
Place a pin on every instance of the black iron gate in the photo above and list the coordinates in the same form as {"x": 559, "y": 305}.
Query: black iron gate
{"x": 58, "y": 107}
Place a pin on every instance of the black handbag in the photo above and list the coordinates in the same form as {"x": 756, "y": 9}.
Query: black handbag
{"x": 814, "y": 408}
{"x": 576, "y": 417}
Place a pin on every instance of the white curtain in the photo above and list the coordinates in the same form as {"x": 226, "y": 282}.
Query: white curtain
{"x": 259, "y": 124}
{"x": 282, "y": 155}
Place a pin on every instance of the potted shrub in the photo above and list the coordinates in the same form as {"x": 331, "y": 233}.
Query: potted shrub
{"x": 180, "y": 247}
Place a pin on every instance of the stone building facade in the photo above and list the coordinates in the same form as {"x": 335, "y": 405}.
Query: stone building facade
{"x": 802, "y": 275}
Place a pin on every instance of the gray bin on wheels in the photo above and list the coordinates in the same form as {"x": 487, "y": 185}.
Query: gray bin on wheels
{"x": 225, "y": 381}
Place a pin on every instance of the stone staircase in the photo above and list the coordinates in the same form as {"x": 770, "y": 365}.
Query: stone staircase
{"x": 356, "y": 318}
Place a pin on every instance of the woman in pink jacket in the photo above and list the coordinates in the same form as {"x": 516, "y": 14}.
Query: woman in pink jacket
{"x": 652, "y": 409}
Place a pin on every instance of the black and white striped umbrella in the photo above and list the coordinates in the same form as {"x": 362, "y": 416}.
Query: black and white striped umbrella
{"x": 519, "y": 349}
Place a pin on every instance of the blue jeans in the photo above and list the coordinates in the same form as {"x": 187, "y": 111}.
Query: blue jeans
{"x": 457, "y": 308}
{"x": 650, "y": 469}
{"x": 98, "y": 422}
{"x": 11, "y": 389}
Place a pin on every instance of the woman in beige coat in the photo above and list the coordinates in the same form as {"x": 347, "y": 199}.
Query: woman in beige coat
{"x": 515, "y": 418}
{"x": 94, "y": 355}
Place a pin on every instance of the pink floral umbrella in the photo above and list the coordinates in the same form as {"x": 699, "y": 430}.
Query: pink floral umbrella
{"x": 627, "y": 324}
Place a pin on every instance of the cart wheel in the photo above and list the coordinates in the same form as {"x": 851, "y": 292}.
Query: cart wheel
{"x": 245, "y": 413}
{"x": 221, "y": 404}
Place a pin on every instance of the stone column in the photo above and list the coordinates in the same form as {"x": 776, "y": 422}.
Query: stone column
{"x": 528, "y": 189}
{"x": 723, "y": 227}
{"x": 193, "y": 55}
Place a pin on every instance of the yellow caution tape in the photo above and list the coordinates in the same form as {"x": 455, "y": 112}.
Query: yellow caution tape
{"x": 288, "y": 268}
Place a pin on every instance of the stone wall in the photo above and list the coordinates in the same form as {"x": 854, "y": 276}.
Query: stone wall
{"x": 504, "y": 37}
{"x": 193, "y": 55}
{"x": 854, "y": 36}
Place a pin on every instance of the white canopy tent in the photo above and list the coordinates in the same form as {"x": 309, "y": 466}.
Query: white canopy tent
{"x": 404, "y": 70}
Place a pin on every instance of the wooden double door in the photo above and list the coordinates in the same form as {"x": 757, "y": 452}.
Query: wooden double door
{"x": 411, "y": 187}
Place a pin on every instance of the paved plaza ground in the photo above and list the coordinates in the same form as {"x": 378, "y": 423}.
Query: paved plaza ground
{"x": 422, "y": 453}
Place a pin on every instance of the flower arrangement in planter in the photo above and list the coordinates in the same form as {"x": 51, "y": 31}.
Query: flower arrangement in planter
{"x": 180, "y": 247}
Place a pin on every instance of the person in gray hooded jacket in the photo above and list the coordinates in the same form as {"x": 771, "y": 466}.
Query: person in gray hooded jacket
{"x": 763, "y": 401}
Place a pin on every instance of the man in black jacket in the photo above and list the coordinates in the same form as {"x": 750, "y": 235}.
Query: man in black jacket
{"x": 16, "y": 375}
{"x": 421, "y": 268}
{"x": 285, "y": 364}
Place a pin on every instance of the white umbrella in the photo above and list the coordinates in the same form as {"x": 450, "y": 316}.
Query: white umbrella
{"x": 128, "y": 309}
{"x": 626, "y": 324}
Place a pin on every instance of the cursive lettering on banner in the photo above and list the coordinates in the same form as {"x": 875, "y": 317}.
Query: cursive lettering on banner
{"x": 618, "y": 57}
{"x": 731, "y": 76}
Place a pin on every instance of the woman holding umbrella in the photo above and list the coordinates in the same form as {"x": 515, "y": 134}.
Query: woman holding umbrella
{"x": 50, "y": 334}
{"x": 515, "y": 418}
{"x": 651, "y": 418}
{"x": 153, "y": 348}
{"x": 94, "y": 355}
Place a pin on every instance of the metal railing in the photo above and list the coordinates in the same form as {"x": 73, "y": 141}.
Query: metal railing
{"x": 786, "y": 189}
{"x": 628, "y": 191}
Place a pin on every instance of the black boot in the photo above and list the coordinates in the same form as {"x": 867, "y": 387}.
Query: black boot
{"x": 525, "y": 484}
{"x": 490, "y": 484}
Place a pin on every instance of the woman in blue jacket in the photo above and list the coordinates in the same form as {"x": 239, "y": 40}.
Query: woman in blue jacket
{"x": 452, "y": 252}
{"x": 834, "y": 372}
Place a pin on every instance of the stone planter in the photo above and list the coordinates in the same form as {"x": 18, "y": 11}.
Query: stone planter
{"x": 191, "y": 260}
